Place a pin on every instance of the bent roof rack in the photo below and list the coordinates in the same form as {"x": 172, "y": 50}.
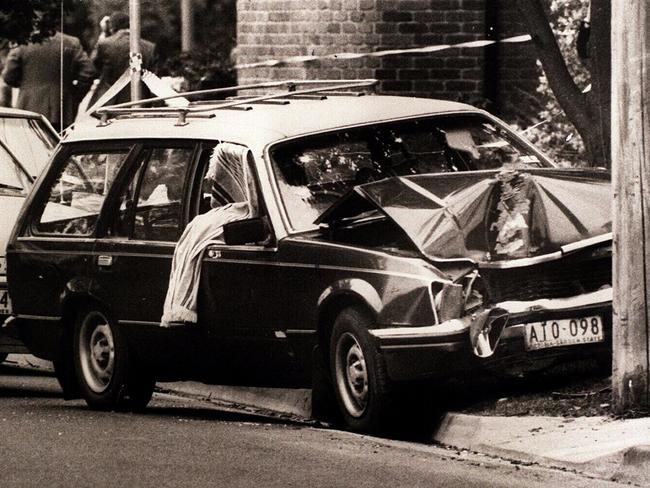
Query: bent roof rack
{"x": 318, "y": 88}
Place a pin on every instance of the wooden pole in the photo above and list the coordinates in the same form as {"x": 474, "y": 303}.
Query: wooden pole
{"x": 631, "y": 181}
{"x": 187, "y": 25}
{"x": 134, "y": 47}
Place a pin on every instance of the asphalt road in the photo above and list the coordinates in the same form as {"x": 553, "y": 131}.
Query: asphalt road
{"x": 46, "y": 442}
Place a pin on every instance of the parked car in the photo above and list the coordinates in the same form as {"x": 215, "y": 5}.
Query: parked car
{"x": 393, "y": 240}
{"x": 27, "y": 140}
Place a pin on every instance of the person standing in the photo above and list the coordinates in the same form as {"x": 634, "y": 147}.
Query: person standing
{"x": 5, "y": 90}
{"x": 53, "y": 76}
{"x": 111, "y": 58}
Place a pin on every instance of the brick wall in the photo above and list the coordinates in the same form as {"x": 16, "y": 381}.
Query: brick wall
{"x": 498, "y": 77}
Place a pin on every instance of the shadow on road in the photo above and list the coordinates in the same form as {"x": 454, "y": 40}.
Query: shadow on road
{"x": 20, "y": 383}
{"x": 213, "y": 413}
{"x": 22, "y": 392}
{"x": 552, "y": 392}
{"x": 15, "y": 370}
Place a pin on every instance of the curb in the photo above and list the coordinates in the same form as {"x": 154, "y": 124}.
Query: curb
{"x": 292, "y": 402}
{"x": 27, "y": 361}
{"x": 635, "y": 466}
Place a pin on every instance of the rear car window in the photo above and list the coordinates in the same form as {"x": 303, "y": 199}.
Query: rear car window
{"x": 76, "y": 196}
{"x": 313, "y": 172}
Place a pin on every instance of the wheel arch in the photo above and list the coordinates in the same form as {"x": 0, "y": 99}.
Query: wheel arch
{"x": 71, "y": 304}
{"x": 343, "y": 294}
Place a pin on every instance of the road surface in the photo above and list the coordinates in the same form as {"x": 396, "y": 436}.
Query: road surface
{"x": 47, "y": 442}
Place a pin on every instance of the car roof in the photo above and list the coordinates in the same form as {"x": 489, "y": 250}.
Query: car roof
{"x": 262, "y": 123}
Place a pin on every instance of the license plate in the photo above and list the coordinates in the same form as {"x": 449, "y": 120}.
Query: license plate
{"x": 5, "y": 303}
{"x": 563, "y": 332}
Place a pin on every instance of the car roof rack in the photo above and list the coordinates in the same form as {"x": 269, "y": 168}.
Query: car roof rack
{"x": 318, "y": 89}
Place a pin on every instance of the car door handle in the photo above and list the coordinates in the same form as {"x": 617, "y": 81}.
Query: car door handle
{"x": 104, "y": 261}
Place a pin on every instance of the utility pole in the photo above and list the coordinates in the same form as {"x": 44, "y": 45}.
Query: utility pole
{"x": 135, "y": 61}
{"x": 187, "y": 25}
{"x": 631, "y": 180}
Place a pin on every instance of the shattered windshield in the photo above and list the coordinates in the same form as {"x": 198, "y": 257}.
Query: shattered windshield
{"x": 312, "y": 173}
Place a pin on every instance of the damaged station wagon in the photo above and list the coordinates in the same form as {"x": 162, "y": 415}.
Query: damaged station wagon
{"x": 385, "y": 242}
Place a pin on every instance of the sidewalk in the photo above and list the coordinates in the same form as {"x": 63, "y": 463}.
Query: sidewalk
{"x": 596, "y": 446}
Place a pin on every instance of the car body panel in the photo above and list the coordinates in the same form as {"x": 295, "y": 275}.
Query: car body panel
{"x": 263, "y": 307}
{"x": 448, "y": 216}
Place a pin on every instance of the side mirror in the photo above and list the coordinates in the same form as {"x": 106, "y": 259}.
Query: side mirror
{"x": 246, "y": 231}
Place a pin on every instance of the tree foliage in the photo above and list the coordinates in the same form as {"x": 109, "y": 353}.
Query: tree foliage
{"x": 555, "y": 133}
{"x": 588, "y": 111}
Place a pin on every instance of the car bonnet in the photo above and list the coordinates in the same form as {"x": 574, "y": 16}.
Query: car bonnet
{"x": 486, "y": 215}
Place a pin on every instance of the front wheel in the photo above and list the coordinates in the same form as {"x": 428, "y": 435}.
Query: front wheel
{"x": 358, "y": 373}
{"x": 107, "y": 376}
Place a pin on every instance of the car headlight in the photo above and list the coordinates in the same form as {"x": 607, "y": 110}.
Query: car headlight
{"x": 453, "y": 300}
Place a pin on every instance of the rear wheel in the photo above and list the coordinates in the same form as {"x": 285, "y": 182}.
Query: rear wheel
{"x": 3, "y": 356}
{"x": 358, "y": 373}
{"x": 108, "y": 378}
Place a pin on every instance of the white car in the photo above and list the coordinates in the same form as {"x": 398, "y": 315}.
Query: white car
{"x": 27, "y": 141}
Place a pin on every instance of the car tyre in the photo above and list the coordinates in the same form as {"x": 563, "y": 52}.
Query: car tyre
{"x": 108, "y": 378}
{"x": 3, "y": 356}
{"x": 358, "y": 373}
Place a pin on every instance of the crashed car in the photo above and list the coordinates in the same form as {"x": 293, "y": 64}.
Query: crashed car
{"x": 393, "y": 241}
{"x": 27, "y": 141}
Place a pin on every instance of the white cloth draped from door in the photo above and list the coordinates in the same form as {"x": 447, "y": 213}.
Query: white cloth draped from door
{"x": 228, "y": 167}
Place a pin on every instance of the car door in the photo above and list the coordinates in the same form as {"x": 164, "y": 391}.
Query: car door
{"x": 51, "y": 258}
{"x": 142, "y": 224}
{"x": 241, "y": 296}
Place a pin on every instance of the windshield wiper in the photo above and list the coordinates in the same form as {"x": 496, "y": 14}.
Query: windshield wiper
{"x": 17, "y": 162}
{"x": 5, "y": 186}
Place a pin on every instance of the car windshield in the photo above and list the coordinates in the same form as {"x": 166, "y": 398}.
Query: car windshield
{"x": 26, "y": 146}
{"x": 312, "y": 173}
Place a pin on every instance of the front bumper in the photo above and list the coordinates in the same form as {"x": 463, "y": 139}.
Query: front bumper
{"x": 435, "y": 351}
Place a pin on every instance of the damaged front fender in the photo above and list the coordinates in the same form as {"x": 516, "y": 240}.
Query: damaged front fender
{"x": 482, "y": 330}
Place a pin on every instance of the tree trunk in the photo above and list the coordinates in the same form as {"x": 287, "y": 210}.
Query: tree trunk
{"x": 631, "y": 165}
{"x": 600, "y": 68}
{"x": 589, "y": 112}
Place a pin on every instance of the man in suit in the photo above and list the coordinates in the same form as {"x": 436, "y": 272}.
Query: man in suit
{"x": 36, "y": 69}
{"x": 111, "y": 58}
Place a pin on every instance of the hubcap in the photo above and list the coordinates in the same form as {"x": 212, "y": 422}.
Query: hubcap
{"x": 351, "y": 374}
{"x": 96, "y": 351}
